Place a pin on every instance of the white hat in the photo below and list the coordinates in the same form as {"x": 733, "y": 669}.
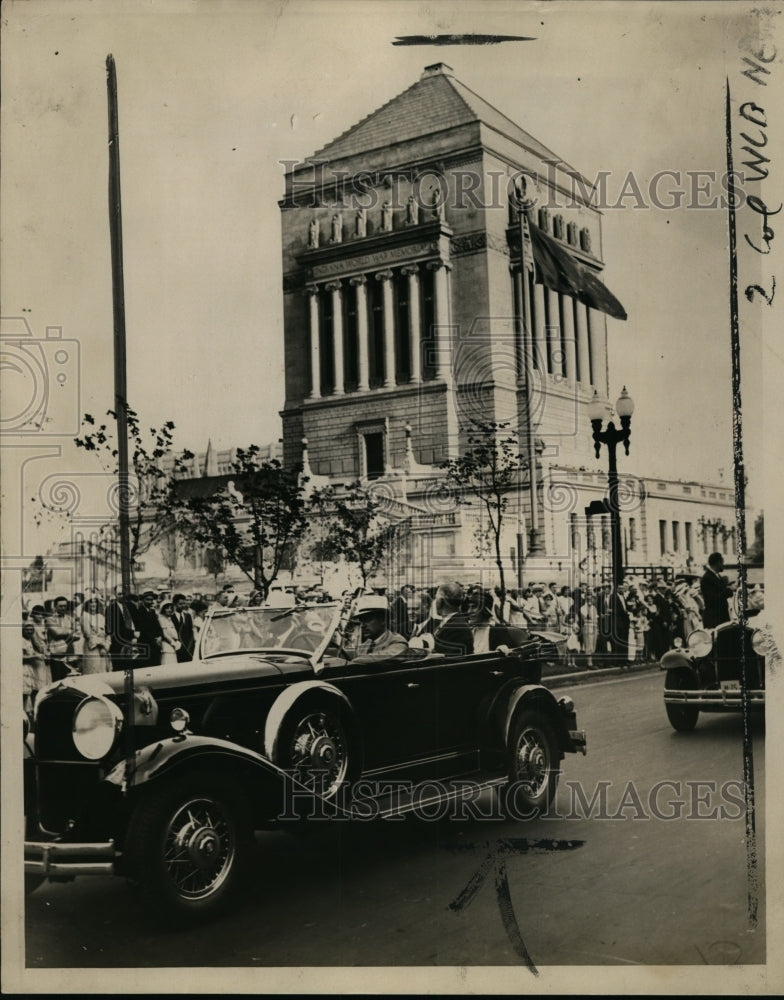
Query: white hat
{"x": 371, "y": 604}
{"x": 278, "y": 598}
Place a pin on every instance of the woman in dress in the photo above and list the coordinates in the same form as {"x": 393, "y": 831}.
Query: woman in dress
{"x": 95, "y": 655}
{"x": 170, "y": 642}
{"x": 590, "y": 619}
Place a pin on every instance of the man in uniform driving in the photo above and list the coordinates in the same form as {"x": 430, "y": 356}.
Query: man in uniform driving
{"x": 378, "y": 643}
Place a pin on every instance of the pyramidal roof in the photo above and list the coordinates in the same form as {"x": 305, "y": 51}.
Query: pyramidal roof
{"x": 435, "y": 103}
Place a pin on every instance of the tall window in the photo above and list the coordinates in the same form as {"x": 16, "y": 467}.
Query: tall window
{"x": 327, "y": 343}
{"x": 632, "y": 533}
{"x": 676, "y": 536}
{"x": 375, "y": 332}
{"x": 374, "y": 455}
{"x": 564, "y": 302}
{"x": 662, "y": 537}
{"x": 428, "y": 306}
{"x": 403, "y": 332}
{"x": 351, "y": 355}
{"x": 687, "y": 529}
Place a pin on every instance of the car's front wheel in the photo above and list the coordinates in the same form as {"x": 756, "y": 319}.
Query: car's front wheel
{"x": 533, "y": 765}
{"x": 315, "y": 748}
{"x": 189, "y": 845}
{"x": 683, "y": 718}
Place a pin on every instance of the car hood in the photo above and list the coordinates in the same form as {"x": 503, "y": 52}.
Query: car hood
{"x": 177, "y": 675}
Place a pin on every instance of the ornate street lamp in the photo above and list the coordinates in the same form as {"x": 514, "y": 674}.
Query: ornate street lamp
{"x": 598, "y": 410}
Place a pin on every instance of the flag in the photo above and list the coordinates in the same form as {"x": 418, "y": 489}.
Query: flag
{"x": 560, "y": 271}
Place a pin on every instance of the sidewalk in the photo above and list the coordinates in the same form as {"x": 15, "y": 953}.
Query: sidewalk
{"x": 560, "y": 675}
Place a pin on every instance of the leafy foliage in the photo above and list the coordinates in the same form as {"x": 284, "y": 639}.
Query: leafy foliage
{"x": 485, "y": 475}
{"x": 354, "y": 527}
{"x": 757, "y": 547}
{"x": 148, "y": 482}
{"x": 250, "y": 521}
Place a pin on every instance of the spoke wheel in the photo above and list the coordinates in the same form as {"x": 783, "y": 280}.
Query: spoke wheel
{"x": 188, "y": 845}
{"x": 533, "y": 765}
{"x": 315, "y": 749}
{"x": 199, "y": 848}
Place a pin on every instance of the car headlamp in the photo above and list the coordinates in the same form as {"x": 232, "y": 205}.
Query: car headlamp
{"x": 96, "y": 724}
{"x": 700, "y": 642}
{"x": 759, "y": 641}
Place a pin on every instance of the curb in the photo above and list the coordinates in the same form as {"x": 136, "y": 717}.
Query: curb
{"x": 596, "y": 674}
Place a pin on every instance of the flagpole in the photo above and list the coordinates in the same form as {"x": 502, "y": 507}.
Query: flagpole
{"x": 525, "y": 203}
{"x": 120, "y": 393}
{"x": 118, "y": 303}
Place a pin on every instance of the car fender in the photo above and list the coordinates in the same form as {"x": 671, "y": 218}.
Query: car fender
{"x": 286, "y": 701}
{"x": 674, "y": 659}
{"x": 162, "y": 757}
{"x": 534, "y": 694}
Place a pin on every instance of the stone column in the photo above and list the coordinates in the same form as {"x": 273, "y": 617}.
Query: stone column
{"x": 554, "y": 331}
{"x": 337, "y": 335}
{"x": 540, "y": 322}
{"x": 442, "y": 317}
{"x": 362, "y": 332}
{"x": 519, "y": 332}
{"x": 568, "y": 335}
{"x": 385, "y": 277}
{"x": 583, "y": 349}
{"x": 596, "y": 347}
{"x": 414, "y": 321}
{"x": 312, "y": 291}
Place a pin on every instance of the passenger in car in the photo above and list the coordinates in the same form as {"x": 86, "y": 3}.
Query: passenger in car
{"x": 378, "y": 643}
{"x": 454, "y": 635}
{"x": 481, "y": 615}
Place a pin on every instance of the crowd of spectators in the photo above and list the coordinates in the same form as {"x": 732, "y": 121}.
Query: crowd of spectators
{"x": 638, "y": 623}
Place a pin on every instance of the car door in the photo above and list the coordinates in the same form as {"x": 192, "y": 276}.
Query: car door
{"x": 465, "y": 688}
{"x": 394, "y": 705}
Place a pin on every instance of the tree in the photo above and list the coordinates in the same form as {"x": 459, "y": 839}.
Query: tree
{"x": 250, "y": 521}
{"x": 36, "y": 576}
{"x": 214, "y": 563}
{"x": 485, "y": 474}
{"x": 354, "y": 527}
{"x": 757, "y": 547}
{"x": 148, "y": 519}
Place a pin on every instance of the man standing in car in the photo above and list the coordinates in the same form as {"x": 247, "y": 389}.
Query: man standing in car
{"x": 716, "y": 592}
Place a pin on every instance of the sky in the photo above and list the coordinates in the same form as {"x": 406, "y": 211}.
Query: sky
{"x": 212, "y": 96}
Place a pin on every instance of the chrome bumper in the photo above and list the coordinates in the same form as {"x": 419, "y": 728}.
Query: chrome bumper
{"x": 53, "y": 858}
{"x": 724, "y": 698}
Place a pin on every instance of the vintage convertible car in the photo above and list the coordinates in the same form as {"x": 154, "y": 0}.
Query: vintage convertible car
{"x": 707, "y": 674}
{"x": 162, "y": 774}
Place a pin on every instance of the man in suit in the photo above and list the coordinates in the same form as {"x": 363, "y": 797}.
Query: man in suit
{"x": 454, "y": 635}
{"x": 619, "y": 618}
{"x": 183, "y": 622}
{"x": 716, "y": 592}
{"x": 122, "y": 633}
{"x": 150, "y": 632}
{"x": 400, "y": 616}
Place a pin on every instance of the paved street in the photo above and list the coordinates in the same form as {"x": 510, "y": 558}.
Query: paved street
{"x": 572, "y": 889}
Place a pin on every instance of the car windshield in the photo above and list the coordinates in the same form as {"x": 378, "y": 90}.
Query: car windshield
{"x": 304, "y": 628}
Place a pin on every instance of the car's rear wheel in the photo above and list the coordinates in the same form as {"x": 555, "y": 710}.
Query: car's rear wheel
{"x": 533, "y": 765}
{"x": 683, "y": 718}
{"x": 189, "y": 844}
